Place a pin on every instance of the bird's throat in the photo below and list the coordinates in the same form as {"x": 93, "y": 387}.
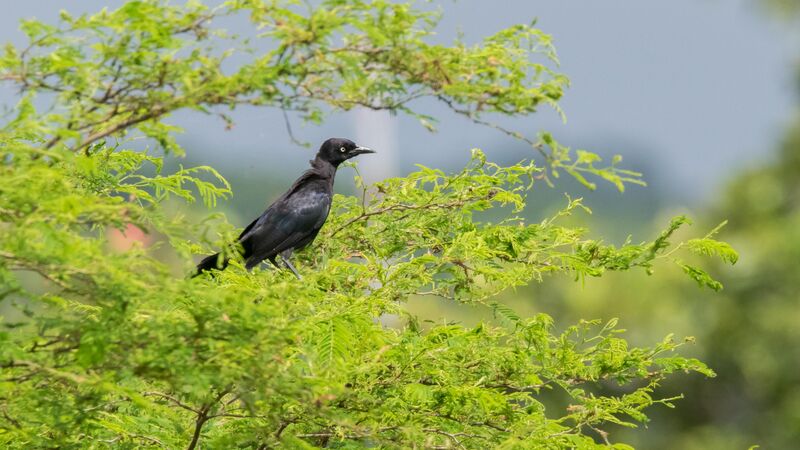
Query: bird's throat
{"x": 323, "y": 168}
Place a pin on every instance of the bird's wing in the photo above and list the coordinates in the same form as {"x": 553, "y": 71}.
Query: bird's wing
{"x": 308, "y": 174}
{"x": 250, "y": 227}
{"x": 287, "y": 222}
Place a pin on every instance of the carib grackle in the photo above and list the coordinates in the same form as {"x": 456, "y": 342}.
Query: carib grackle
{"x": 294, "y": 219}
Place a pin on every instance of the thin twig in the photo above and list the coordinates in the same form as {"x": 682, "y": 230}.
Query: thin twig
{"x": 289, "y": 131}
{"x": 173, "y": 400}
{"x": 203, "y": 416}
{"x": 400, "y": 207}
{"x": 537, "y": 145}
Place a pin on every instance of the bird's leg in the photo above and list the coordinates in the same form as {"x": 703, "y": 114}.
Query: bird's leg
{"x": 265, "y": 265}
{"x": 291, "y": 267}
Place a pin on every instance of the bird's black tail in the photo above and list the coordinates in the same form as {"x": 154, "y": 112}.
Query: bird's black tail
{"x": 210, "y": 262}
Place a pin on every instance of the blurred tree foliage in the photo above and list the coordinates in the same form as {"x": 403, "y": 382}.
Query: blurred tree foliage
{"x": 785, "y": 9}
{"x": 103, "y": 348}
{"x": 753, "y": 341}
{"x": 749, "y": 334}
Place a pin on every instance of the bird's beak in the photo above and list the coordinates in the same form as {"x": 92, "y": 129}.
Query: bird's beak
{"x": 360, "y": 150}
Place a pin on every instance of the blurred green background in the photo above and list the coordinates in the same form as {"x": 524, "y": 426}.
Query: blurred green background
{"x": 702, "y": 96}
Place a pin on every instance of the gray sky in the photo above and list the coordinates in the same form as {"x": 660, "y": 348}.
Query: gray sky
{"x": 691, "y": 89}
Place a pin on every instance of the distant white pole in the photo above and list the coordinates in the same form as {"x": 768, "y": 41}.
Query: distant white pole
{"x": 377, "y": 130}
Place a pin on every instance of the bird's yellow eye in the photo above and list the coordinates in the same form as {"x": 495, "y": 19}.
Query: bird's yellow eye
{"x": 342, "y": 149}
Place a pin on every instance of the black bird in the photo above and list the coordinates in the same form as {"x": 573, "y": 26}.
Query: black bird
{"x": 293, "y": 220}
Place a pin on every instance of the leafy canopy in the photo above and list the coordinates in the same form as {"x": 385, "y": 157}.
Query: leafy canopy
{"x": 113, "y": 349}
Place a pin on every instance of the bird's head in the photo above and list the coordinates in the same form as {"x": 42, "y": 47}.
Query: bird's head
{"x": 338, "y": 150}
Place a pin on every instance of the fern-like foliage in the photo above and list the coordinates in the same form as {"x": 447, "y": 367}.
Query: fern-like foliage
{"x": 117, "y": 349}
